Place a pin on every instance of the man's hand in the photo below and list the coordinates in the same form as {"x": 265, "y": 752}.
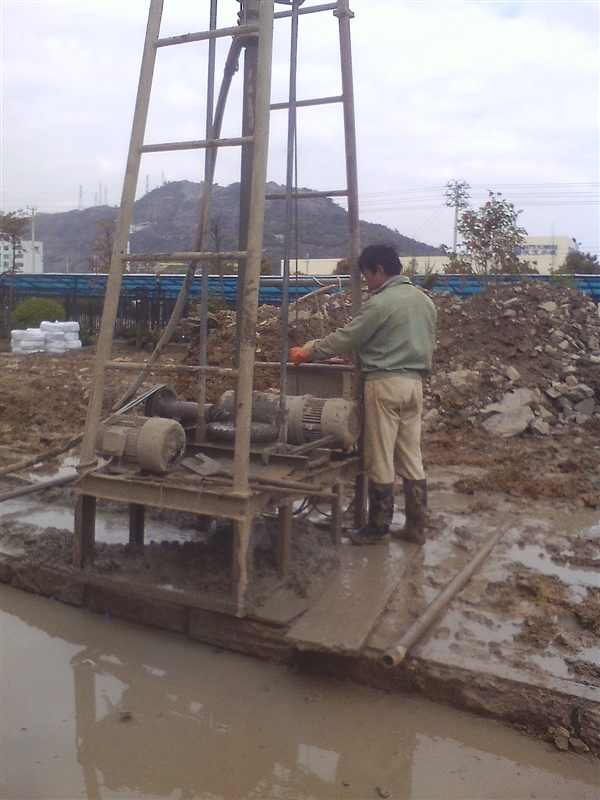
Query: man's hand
{"x": 300, "y": 355}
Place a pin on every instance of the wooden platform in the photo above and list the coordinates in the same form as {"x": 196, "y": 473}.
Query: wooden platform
{"x": 341, "y": 620}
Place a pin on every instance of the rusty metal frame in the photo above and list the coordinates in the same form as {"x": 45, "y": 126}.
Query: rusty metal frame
{"x": 242, "y": 500}
{"x": 218, "y": 500}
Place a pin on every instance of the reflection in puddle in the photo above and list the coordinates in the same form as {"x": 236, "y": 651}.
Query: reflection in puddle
{"x": 535, "y": 557}
{"x": 100, "y": 709}
{"x": 111, "y": 528}
{"x": 67, "y": 468}
{"x": 322, "y": 763}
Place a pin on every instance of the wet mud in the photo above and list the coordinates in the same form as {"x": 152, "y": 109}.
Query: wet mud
{"x": 94, "y": 707}
{"x": 519, "y": 642}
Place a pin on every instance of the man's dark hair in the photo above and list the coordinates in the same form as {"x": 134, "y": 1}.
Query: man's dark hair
{"x": 380, "y": 254}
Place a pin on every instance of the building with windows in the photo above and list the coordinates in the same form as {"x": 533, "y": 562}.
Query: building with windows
{"x": 542, "y": 254}
{"x": 545, "y": 254}
{"x": 29, "y": 257}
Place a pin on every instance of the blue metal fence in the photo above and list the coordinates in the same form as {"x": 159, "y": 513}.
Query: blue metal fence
{"x": 466, "y": 285}
{"x": 147, "y": 301}
{"x": 168, "y": 286}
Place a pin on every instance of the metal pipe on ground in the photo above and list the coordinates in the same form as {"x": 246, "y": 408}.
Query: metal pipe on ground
{"x": 38, "y": 459}
{"x": 395, "y": 654}
{"x": 37, "y": 487}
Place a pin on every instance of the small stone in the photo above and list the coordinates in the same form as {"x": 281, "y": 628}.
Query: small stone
{"x": 586, "y": 407}
{"x": 591, "y": 500}
{"x": 578, "y": 746}
{"x": 561, "y": 738}
{"x": 512, "y": 374}
{"x": 539, "y": 427}
{"x": 509, "y": 424}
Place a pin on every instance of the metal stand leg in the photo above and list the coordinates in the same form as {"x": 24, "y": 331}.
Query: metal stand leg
{"x": 336, "y": 514}
{"x": 85, "y": 530}
{"x": 360, "y": 500}
{"x": 137, "y": 520}
{"x": 283, "y": 545}
{"x": 242, "y": 562}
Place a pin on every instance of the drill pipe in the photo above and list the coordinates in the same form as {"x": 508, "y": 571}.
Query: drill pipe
{"x": 395, "y": 654}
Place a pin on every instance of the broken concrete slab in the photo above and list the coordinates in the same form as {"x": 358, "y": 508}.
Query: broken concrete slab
{"x": 343, "y": 617}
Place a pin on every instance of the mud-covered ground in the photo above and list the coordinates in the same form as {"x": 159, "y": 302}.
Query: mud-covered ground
{"x": 535, "y": 336}
{"x": 534, "y": 606}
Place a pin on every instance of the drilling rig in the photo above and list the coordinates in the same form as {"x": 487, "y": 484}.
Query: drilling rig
{"x": 249, "y": 453}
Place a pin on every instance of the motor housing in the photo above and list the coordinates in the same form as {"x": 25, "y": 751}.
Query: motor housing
{"x": 308, "y": 418}
{"x": 154, "y": 444}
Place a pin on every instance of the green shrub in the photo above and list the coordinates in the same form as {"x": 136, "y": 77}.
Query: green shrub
{"x": 215, "y": 302}
{"x": 86, "y": 335}
{"x": 562, "y": 281}
{"x": 142, "y": 337}
{"x": 30, "y": 313}
{"x": 429, "y": 279}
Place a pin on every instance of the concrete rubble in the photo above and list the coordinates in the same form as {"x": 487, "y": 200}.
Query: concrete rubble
{"x": 562, "y": 338}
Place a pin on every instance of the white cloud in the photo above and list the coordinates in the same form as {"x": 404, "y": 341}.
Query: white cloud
{"x": 495, "y": 93}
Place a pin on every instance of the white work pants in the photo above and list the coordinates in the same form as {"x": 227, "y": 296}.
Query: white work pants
{"x": 392, "y": 444}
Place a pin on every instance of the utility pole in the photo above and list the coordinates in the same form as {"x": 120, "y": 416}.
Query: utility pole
{"x": 33, "y": 210}
{"x": 457, "y": 196}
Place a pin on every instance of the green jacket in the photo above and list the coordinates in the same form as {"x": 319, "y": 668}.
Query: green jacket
{"x": 393, "y": 333}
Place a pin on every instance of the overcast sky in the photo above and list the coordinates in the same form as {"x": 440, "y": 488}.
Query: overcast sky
{"x": 502, "y": 95}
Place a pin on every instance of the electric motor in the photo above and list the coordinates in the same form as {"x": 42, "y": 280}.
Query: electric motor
{"x": 155, "y": 444}
{"x": 309, "y": 418}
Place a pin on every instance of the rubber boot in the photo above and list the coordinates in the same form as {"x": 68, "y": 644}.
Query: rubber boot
{"x": 381, "y": 511}
{"x": 415, "y": 508}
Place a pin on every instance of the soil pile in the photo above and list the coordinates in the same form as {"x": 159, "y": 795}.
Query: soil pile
{"x": 511, "y": 337}
{"x": 540, "y": 338}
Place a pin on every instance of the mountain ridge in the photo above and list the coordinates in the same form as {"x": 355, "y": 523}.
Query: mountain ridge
{"x": 165, "y": 220}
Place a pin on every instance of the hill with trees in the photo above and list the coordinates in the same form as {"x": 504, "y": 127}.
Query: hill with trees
{"x": 164, "y": 220}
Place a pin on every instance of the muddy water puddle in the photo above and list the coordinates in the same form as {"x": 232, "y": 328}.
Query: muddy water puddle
{"x": 94, "y": 707}
{"x": 111, "y": 527}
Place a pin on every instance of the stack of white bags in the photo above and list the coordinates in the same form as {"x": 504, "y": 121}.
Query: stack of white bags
{"x": 31, "y": 340}
{"x": 50, "y": 337}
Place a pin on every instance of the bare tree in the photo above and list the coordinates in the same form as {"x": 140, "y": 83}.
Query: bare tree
{"x": 13, "y": 227}
{"x": 102, "y": 245}
{"x": 457, "y": 196}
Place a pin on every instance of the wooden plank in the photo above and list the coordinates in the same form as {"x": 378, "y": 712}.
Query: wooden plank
{"x": 342, "y": 618}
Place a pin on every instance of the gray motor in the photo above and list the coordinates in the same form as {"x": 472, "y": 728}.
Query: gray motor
{"x": 154, "y": 444}
{"x": 309, "y": 418}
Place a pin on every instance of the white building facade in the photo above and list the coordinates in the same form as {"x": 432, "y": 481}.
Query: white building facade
{"x": 544, "y": 254}
{"x": 29, "y": 257}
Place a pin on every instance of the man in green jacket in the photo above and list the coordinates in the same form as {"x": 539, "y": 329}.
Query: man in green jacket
{"x": 394, "y": 336}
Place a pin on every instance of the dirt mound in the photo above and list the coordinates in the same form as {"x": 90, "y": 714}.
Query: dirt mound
{"x": 540, "y": 339}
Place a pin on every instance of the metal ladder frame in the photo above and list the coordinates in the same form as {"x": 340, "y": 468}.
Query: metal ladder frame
{"x": 250, "y": 257}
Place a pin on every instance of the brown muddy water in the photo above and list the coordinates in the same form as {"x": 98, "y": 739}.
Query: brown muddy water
{"x": 94, "y": 707}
